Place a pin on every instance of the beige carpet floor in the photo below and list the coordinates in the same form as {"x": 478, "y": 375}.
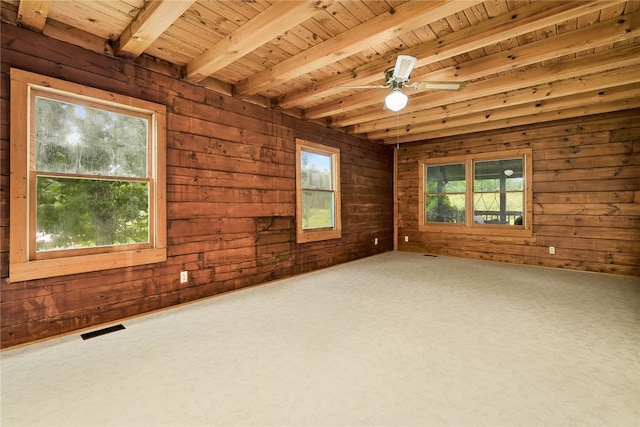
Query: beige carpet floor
{"x": 397, "y": 339}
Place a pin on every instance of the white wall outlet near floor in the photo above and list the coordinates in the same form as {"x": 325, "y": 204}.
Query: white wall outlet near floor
{"x": 406, "y": 238}
{"x": 552, "y": 250}
{"x": 184, "y": 276}
{"x": 375, "y": 241}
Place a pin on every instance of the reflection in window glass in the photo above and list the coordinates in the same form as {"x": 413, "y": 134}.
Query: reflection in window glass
{"x": 445, "y": 197}
{"x": 77, "y": 139}
{"x": 315, "y": 171}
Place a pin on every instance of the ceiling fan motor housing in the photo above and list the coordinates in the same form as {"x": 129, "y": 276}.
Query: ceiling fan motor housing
{"x": 392, "y": 81}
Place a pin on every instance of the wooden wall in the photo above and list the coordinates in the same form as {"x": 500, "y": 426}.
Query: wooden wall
{"x": 230, "y": 192}
{"x": 586, "y": 195}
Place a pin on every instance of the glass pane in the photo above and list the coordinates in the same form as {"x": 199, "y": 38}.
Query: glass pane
{"x": 76, "y": 139}
{"x": 498, "y": 175}
{"x": 515, "y": 184}
{"x": 515, "y": 208}
{"x": 317, "y": 209}
{"x": 445, "y": 208}
{"x": 497, "y": 208}
{"x": 315, "y": 171}
{"x": 84, "y": 213}
{"x": 446, "y": 178}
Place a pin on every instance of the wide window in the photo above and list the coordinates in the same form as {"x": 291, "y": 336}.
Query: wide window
{"x": 483, "y": 193}
{"x": 317, "y": 192}
{"x": 88, "y": 188}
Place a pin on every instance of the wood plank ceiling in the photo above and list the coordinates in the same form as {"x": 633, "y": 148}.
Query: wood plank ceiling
{"x": 522, "y": 61}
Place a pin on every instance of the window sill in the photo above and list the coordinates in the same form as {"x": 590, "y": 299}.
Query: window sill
{"x": 478, "y": 229}
{"x": 41, "y": 269}
{"x": 318, "y": 235}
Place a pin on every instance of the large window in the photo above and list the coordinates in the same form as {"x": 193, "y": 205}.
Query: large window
{"x": 484, "y": 193}
{"x": 317, "y": 192}
{"x": 87, "y": 182}
{"x": 446, "y": 192}
{"x": 498, "y": 191}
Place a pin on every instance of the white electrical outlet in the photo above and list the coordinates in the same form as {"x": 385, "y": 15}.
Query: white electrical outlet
{"x": 184, "y": 276}
{"x": 552, "y": 250}
{"x": 406, "y": 238}
{"x": 375, "y": 241}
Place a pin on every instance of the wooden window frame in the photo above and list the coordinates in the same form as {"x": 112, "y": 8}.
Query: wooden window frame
{"x": 314, "y": 235}
{"x": 469, "y": 226}
{"x": 23, "y": 264}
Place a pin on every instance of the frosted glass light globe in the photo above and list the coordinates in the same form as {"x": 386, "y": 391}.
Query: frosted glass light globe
{"x": 396, "y": 100}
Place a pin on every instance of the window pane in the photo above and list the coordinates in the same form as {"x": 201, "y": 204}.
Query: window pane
{"x": 489, "y": 209}
{"x": 498, "y": 192}
{"x": 515, "y": 208}
{"x": 72, "y": 138}
{"x": 445, "y": 208}
{"x": 497, "y": 175}
{"x": 82, "y": 213}
{"x": 315, "y": 171}
{"x": 317, "y": 209}
{"x": 515, "y": 184}
{"x": 446, "y": 178}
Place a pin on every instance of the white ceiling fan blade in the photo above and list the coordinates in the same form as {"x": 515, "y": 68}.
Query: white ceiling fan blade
{"x": 438, "y": 85}
{"x": 404, "y": 66}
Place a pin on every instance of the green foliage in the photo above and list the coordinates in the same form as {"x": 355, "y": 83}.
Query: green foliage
{"x": 318, "y": 218}
{"x": 317, "y": 209}
{"x": 79, "y": 213}
{"x": 317, "y": 204}
{"x": 100, "y": 206}
{"x": 441, "y": 209}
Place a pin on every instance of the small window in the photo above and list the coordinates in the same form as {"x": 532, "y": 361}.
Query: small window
{"x": 317, "y": 192}
{"x": 93, "y": 197}
{"x": 486, "y": 193}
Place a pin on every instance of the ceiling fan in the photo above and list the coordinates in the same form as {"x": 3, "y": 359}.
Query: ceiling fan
{"x": 398, "y": 77}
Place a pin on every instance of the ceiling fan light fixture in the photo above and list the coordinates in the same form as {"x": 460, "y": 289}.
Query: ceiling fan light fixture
{"x": 396, "y": 100}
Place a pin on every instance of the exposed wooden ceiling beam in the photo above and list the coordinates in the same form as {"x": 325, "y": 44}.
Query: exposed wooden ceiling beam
{"x": 537, "y": 94}
{"x": 611, "y": 31}
{"x": 270, "y": 23}
{"x": 581, "y": 109}
{"x": 69, "y": 34}
{"x": 154, "y": 18}
{"x": 618, "y": 93}
{"x": 595, "y": 63}
{"x": 606, "y": 32}
{"x": 32, "y": 14}
{"x": 405, "y": 18}
{"x": 526, "y": 19}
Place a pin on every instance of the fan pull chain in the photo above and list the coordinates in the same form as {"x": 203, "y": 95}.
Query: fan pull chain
{"x": 398, "y": 130}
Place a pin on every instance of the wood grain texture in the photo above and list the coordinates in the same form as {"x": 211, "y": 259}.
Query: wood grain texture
{"x": 521, "y": 62}
{"x": 230, "y": 197}
{"x": 586, "y": 184}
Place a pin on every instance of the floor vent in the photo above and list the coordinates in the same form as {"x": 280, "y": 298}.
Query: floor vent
{"x": 433, "y": 256}
{"x": 104, "y": 331}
